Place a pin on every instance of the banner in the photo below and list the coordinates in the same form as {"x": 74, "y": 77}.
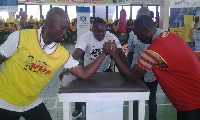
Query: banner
{"x": 185, "y": 23}
{"x": 83, "y": 20}
{"x": 184, "y": 3}
{"x": 104, "y": 109}
{"x": 9, "y": 5}
{"x": 78, "y": 2}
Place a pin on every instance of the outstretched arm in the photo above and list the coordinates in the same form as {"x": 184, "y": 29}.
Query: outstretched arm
{"x": 129, "y": 74}
{"x": 120, "y": 59}
{"x": 77, "y": 56}
{"x": 130, "y": 57}
{"x": 123, "y": 66}
{"x": 87, "y": 71}
{"x": 78, "y": 53}
{"x": 137, "y": 72}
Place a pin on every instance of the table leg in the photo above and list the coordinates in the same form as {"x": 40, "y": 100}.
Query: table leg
{"x": 130, "y": 110}
{"x": 67, "y": 112}
{"x": 141, "y": 111}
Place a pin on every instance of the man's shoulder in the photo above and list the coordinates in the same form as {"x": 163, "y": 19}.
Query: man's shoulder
{"x": 85, "y": 39}
{"x": 111, "y": 36}
{"x": 86, "y": 36}
{"x": 109, "y": 33}
{"x": 87, "y": 33}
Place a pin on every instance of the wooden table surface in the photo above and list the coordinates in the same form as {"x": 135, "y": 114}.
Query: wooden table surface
{"x": 102, "y": 82}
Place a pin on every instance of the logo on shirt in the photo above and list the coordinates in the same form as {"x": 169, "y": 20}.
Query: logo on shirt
{"x": 36, "y": 66}
{"x": 95, "y": 53}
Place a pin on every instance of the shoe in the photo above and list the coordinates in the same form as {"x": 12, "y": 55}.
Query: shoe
{"x": 76, "y": 113}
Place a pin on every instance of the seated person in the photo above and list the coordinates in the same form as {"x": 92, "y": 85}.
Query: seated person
{"x": 31, "y": 23}
{"x": 41, "y": 21}
{"x": 129, "y": 26}
{"x": 7, "y": 29}
{"x": 115, "y": 27}
{"x": 72, "y": 31}
{"x": 14, "y": 28}
{"x": 1, "y": 29}
{"x": 73, "y": 27}
{"x": 16, "y": 20}
{"x": 90, "y": 45}
{"x": 1, "y": 26}
{"x": 36, "y": 25}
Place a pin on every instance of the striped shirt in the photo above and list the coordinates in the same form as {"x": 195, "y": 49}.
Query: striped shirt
{"x": 137, "y": 47}
{"x": 150, "y": 58}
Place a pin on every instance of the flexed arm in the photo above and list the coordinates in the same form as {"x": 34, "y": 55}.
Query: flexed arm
{"x": 120, "y": 59}
{"x": 85, "y": 72}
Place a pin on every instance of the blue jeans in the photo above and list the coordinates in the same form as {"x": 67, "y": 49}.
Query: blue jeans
{"x": 151, "y": 102}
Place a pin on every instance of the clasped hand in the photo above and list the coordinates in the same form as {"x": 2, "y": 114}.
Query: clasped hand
{"x": 109, "y": 47}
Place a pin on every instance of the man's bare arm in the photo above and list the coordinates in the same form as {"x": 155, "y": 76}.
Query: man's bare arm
{"x": 130, "y": 57}
{"x": 78, "y": 53}
{"x": 87, "y": 71}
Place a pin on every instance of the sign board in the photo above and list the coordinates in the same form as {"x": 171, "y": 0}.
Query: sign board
{"x": 104, "y": 110}
{"x": 184, "y": 3}
{"x": 79, "y": 2}
{"x": 9, "y": 5}
{"x": 83, "y": 20}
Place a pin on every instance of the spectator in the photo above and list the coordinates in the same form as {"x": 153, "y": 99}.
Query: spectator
{"x": 23, "y": 17}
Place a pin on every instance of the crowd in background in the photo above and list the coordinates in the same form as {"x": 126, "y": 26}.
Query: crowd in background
{"x": 22, "y": 21}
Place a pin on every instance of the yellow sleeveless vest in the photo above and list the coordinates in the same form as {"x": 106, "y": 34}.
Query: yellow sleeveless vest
{"x": 26, "y": 73}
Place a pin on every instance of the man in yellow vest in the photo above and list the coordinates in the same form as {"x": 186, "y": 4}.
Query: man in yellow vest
{"x": 29, "y": 66}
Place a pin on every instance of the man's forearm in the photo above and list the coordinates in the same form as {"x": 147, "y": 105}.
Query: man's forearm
{"x": 130, "y": 57}
{"x": 95, "y": 64}
{"x": 87, "y": 71}
{"x": 122, "y": 64}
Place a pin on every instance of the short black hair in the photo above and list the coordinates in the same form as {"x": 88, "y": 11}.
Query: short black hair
{"x": 143, "y": 22}
{"x": 99, "y": 20}
{"x": 55, "y": 13}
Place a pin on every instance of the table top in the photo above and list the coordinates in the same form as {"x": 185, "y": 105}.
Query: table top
{"x": 101, "y": 82}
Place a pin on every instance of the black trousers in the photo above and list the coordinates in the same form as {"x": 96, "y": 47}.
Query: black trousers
{"x": 78, "y": 105}
{"x": 189, "y": 115}
{"x": 151, "y": 102}
{"x": 39, "y": 112}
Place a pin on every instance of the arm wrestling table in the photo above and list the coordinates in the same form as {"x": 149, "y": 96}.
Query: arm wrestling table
{"x": 103, "y": 86}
